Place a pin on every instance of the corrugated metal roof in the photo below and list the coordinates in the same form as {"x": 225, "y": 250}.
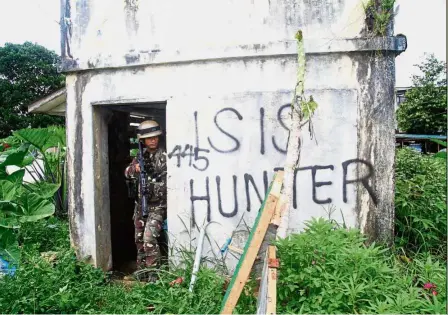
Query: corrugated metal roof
{"x": 421, "y": 137}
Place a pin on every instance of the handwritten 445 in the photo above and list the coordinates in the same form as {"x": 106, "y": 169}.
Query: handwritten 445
{"x": 193, "y": 154}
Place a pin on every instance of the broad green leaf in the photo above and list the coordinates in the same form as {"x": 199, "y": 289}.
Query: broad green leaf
{"x": 35, "y": 207}
{"x": 27, "y": 160}
{"x": 8, "y": 190}
{"x": 442, "y": 143}
{"x": 441, "y": 155}
{"x": 9, "y": 215}
{"x": 12, "y": 158}
{"x": 308, "y": 108}
{"x": 42, "y": 138}
{"x": 3, "y": 173}
{"x": 9, "y": 246}
{"x": 16, "y": 177}
{"x": 44, "y": 189}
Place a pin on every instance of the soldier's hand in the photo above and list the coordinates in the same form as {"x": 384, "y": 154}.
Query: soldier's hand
{"x": 137, "y": 168}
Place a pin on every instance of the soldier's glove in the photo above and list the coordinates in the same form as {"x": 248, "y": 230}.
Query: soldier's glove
{"x": 132, "y": 187}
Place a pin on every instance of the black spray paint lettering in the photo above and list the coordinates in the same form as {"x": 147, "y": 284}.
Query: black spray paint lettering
{"x": 237, "y": 143}
{"x": 364, "y": 180}
{"x": 197, "y": 149}
{"x": 235, "y": 196}
{"x": 249, "y": 179}
{"x": 191, "y": 152}
{"x": 201, "y": 162}
{"x": 194, "y": 198}
{"x": 250, "y": 182}
{"x": 280, "y": 120}
{"x": 317, "y": 184}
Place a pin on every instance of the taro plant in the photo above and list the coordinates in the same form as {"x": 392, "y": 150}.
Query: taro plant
{"x": 47, "y": 147}
{"x": 22, "y": 201}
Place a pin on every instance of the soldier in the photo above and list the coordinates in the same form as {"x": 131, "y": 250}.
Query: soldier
{"x": 148, "y": 229}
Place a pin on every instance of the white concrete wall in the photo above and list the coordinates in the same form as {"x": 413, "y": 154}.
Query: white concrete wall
{"x": 241, "y": 96}
{"x": 232, "y": 65}
{"x": 104, "y": 29}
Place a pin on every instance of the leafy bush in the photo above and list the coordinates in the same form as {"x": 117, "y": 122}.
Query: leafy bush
{"x": 420, "y": 202}
{"x": 425, "y": 105}
{"x": 22, "y": 202}
{"x": 49, "y": 234}
{"x": 323, "y": 270}
{"x": 59, "y": 283}
{"x": 326, "y": 269}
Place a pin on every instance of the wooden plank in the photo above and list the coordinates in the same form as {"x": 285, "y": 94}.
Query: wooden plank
{"x": 237, "y": 250}
{"x": 263, "y": 290}
{"x": 252, "y": 247}
{"x": 279, "y": 207}
{"x": 271, "y": 307}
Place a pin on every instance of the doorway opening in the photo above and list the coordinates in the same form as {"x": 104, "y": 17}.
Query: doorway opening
{"x": 122, "y": 143}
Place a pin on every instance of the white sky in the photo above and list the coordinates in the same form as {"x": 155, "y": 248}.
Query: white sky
{"x": 422, "y": 21}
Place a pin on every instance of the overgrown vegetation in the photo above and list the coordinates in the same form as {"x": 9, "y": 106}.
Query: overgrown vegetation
{"x": 28, "y": 72}
{"x": 420, "y": 203}
{"x": 325, "y": 269}
{"x": 55, "y": 282}
{"x": 328, "y": 269}
{"x": 424, "y": 109}
{"x": 23, "y": 201}
{"x": 379, "y": 14}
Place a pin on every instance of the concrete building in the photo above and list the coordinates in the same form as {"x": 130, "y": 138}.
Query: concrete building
{"x": 219, "y": 77}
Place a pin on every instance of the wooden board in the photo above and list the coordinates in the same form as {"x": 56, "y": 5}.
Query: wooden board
{"x": 262, "y": 298}
{"x": 279, "y": 207}
{"x": 267, "y": 295}
{"x": 272, "y": 283}
{"x": 252, "y": 247}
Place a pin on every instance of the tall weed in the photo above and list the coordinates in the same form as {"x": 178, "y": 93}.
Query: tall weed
{"x": 420, "y": 203}
{"x": 327, "y": 269}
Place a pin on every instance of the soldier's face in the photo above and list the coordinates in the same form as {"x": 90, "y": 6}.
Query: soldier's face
{"x": 152, "y": 143}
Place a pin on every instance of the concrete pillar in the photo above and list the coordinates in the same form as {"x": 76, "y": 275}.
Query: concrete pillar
{"x": 88, "y": 175}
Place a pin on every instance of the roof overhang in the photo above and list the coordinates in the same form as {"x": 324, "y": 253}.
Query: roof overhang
{"x": 53, "y": 104}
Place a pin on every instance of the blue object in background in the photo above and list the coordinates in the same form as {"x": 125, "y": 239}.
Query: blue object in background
{"x": 6, "y": 268}
{"x": 165, "y": 225}
{"x": 226, "y": 245}
{"x": 416, "y": 146}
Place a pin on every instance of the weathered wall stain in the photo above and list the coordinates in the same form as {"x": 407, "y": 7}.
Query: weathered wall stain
{"x": 74, "y": 173}
{"x": 131, "y": 9}
{"x": 376, "y": 140}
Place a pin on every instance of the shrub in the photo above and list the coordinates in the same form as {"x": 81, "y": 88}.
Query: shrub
{"x": 58, "y": 283}
{"x": 48, "y": 234}
{"x": 327, "y": 269}
{"x": 420, "y": 202}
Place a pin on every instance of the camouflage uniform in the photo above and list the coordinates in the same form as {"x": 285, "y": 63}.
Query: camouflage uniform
{"x": 148, "y": 229}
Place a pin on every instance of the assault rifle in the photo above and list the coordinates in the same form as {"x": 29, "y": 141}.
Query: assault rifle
{"x": 142, "y": 179}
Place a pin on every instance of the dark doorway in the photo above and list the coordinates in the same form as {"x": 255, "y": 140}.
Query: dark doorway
{"x": 122, "y": 143}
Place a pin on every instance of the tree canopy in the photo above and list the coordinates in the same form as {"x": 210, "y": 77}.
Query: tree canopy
{"x": 424, "y": 108}
{"x": 28, "y": 72}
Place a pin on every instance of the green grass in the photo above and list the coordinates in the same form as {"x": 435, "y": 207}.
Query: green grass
{"x": 66, "y": 285}
{"x": 324, "y": 269}
{"x": 420, "y": 203}
{"x": 327, "y": 269}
